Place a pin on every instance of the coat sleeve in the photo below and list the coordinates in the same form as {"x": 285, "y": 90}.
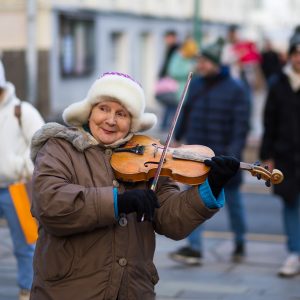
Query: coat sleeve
{"x": 180, "y": 212}
{"x": 62, "y": 207}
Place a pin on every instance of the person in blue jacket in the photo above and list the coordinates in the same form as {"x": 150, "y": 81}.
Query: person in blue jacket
{"x": 216, "y": 114}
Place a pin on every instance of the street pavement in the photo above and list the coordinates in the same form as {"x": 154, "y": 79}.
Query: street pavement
{"x": 217, "y": 278}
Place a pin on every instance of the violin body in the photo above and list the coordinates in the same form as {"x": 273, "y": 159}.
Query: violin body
{"x": 139, "y": 160}
{"x": 132, "y": 166}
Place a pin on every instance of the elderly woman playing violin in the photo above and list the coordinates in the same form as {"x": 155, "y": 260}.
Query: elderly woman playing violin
{"x": 96, "y": 232}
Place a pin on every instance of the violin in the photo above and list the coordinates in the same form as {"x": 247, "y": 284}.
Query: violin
{"x": 138, "y": 160}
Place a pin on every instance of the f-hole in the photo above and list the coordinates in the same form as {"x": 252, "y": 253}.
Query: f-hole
{"x": 152, "y": 162}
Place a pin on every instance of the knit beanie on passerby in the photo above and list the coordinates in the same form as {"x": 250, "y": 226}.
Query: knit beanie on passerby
{"x": 294, "y": 43}
{"x": 213, "y": 51}
{"x": 121, "y": 87}
{"x": 2, "y": 76}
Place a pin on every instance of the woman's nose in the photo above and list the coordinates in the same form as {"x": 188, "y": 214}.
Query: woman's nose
{"x": 112, "y": 119}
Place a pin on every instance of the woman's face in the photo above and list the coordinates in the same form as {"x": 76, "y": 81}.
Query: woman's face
{"x": 109, "y": 122}
{"x": 206, "y": 67}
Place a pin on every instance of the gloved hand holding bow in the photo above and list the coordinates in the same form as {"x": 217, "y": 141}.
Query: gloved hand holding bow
{"x": 143, "y": 202}
{"x": 223, "y": 168}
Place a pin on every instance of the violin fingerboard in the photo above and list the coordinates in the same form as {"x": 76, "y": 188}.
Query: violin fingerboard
{"x": 188, "y": 155}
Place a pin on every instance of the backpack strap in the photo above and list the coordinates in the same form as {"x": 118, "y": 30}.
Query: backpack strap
{"x": 18, "y": 113}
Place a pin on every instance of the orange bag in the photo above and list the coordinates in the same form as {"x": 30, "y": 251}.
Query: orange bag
{"x": 20, "y": 193}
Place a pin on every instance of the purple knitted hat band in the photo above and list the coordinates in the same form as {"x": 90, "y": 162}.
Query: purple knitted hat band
{"x": 120, "y": 74}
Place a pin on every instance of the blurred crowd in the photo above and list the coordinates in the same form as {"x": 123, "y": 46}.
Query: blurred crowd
{"x": 246, "y": 62}
{"x": 228, "y": 73}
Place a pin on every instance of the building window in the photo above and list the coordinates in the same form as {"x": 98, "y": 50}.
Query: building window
{"x": 77, "y": 54}
{"x": 119, "y": 56}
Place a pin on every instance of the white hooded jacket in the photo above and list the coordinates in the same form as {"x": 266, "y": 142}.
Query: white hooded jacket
{"x": 15, "y": 162}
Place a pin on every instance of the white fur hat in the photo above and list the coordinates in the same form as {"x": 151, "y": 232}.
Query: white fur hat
{"x": 2, "y": 76}
{"x": 119, "y": 86}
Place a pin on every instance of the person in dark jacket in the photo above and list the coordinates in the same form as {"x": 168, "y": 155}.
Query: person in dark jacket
{"x": 97, "y": 231}
{"x": 171, "y": 46}
{"x": 216, "y": 114}
{"x": 280, "y": 148}
{"x": 270, "y": 61}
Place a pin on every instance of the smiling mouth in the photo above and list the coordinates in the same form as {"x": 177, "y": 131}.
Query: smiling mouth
{"x": 107, "y": 131}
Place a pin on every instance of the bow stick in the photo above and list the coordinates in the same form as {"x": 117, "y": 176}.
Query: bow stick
{"x": 170, "y": 133}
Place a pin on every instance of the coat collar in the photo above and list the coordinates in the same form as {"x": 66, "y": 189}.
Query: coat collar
{"x": 77, "y": 136}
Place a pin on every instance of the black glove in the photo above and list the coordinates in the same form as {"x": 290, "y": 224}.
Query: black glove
{"x": 143, "y": 202}
{"x": 223, "y": 168}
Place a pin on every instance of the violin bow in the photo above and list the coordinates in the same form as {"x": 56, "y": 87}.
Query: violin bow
{"x": 170, "y": 133}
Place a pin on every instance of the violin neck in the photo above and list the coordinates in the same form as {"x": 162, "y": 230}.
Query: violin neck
{"x": 193, "y": 156}
{"x": 261, "y": 172}
{"x": 246, "y": 166}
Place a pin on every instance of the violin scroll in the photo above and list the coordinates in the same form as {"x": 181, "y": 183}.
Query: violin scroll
{"x": 274, "y": 177}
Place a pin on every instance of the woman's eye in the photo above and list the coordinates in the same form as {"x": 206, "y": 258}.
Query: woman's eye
{"x": 121, "y": 114}
{"x": 103, "y": 108}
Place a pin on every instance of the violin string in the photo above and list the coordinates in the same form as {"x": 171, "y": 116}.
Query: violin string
{"x": 171, "y": 131}
{"x": 194, "y": 156}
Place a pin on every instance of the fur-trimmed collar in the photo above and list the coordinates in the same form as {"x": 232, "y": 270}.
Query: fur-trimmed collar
{"x": 79, "y": 138}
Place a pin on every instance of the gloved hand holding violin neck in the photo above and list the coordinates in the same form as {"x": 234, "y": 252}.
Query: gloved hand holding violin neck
{"x": 223, "y": 168}
{"x": 143, "y": 202}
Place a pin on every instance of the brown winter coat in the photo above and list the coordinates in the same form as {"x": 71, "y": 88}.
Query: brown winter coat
{"x": 83, "y": 250}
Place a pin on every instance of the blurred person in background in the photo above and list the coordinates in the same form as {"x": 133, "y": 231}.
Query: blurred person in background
{"x": 15, "y": 163}
{"x": 172, "y": 44}
{"x": 181, "y": 63}
{"x": 280, "y": 148}
{"x": 243, "y": 59}
{"x": 216, "y": 114}
{"x": 229, "y": 56}
{"x": 270, "y": 60}
{"x": 171, "y": 41}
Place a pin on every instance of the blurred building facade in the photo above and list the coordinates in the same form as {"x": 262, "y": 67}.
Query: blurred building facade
{"x": 59, "y": 47}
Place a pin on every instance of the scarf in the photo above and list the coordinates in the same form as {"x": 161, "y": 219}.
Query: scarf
{"x": 294, "y": 78}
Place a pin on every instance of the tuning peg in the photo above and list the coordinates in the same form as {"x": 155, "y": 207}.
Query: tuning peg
{"x": 268, "y": 183}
